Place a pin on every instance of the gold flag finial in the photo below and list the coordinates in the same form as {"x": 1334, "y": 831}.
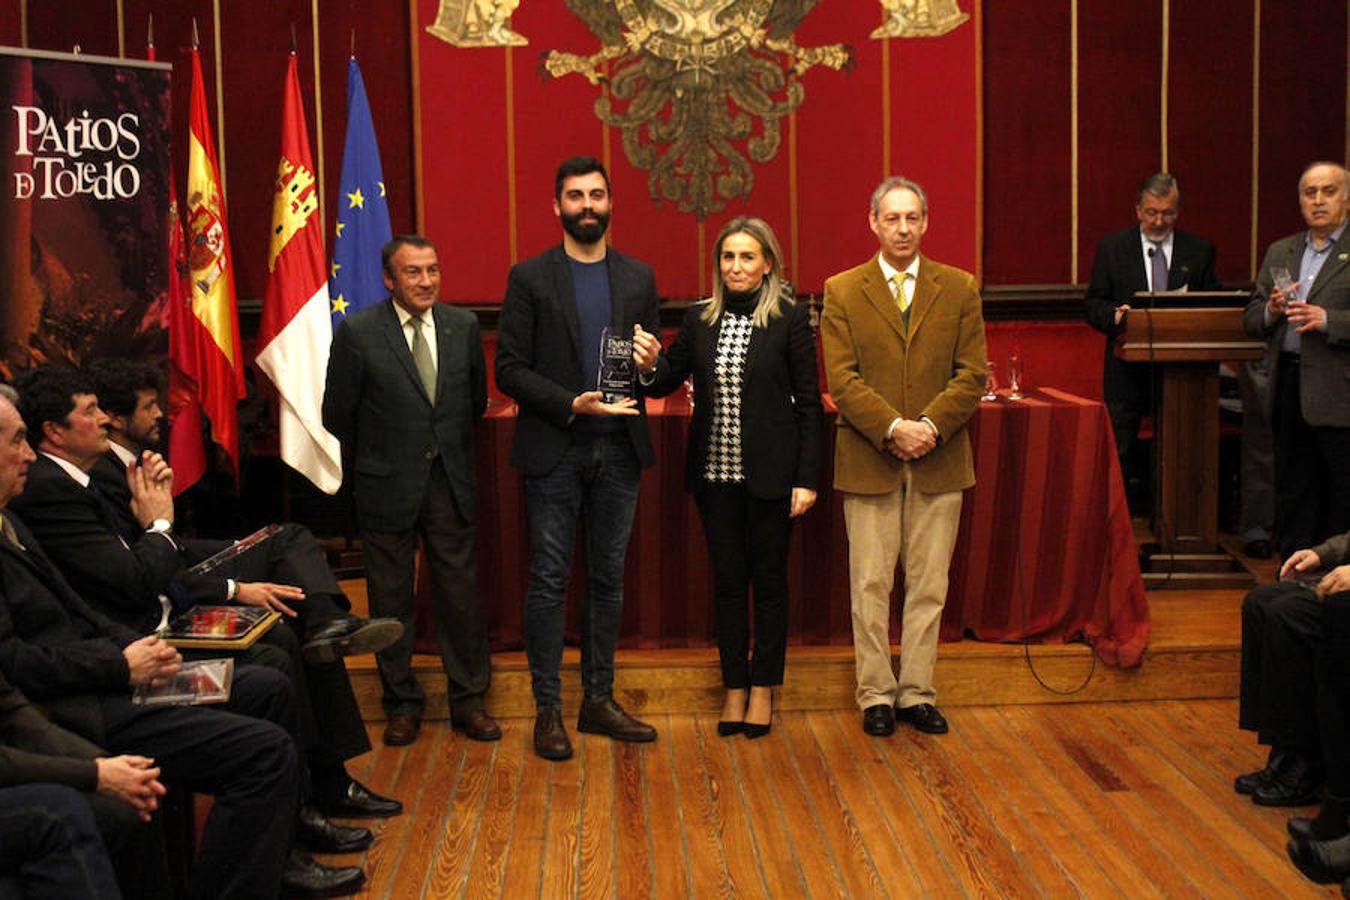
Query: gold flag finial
{"x": 194, "y": 33}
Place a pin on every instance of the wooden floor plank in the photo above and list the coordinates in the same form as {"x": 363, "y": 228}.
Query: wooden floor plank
{"x": 739, "y": 851}
{"x": 700, "y": 813}
{"x": 632, "y": 833}
{"x": 530, "y": 812}
{"x": 665, "y": 814}
{"x": 595, "y": 867}
{"x": 829, "y": 811}
{"x": 453, "y": 853}
{"x": 499, "y": 814}
{"x": 780, "y": 860}
{"x": 562, "y": 835}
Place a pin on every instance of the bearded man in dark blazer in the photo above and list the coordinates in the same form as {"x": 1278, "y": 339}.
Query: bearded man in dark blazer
{"x": 1306, "y": 326}
{"x": 1151, "y": 256}
{"x": 406, "y": 383}
{"x": 581, "y": 456}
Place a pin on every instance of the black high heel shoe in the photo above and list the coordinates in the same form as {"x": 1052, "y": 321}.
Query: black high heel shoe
{"x": 729, "y": 729}
{"x": 753, "y": 731}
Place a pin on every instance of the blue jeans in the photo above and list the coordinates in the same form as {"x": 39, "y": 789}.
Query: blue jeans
{"x": 596, "y": 480}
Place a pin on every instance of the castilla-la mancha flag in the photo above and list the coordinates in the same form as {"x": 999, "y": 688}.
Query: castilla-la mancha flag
{"x": 296, "y": 326}
{"x": 206, "y": 350}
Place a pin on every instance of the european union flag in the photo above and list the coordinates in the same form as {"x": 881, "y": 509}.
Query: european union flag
{"x": 355, "y": 280}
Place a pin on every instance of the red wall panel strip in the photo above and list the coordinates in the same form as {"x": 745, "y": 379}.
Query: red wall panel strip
{"x": 1026, "y": 143}
{"x": 1119, "y": 114}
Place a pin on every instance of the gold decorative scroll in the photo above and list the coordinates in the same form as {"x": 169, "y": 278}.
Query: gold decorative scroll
{"x": 919, "y": 18}
{"x": 697, "y": 88}
{"x": 477, "y": 23}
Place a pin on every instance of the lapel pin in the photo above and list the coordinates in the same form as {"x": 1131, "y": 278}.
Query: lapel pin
{"x": 1343, "y": 257}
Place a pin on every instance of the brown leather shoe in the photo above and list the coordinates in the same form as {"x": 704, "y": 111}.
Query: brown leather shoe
{"x": 550, "y": 737}
{"x": 608, "y": 718}
{"x": 402, "y": 729}
{"x": 477, "y": 725}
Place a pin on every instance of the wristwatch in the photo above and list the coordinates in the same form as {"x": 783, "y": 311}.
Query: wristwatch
{"x": 160, "y": 526}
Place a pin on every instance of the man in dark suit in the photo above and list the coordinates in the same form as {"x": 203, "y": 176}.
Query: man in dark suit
{"x": 406, "y": 382}
{"x": 581, "y": 456}
{"x": 1150, "y": 256}
{"x": 121, "y": 573}
{"x": 80, "y": 667}
{"x": 1305, "y": 321}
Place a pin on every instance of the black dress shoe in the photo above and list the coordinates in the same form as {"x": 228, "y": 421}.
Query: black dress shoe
{"x": 303, "y": 877}
{"x": 477, "y": 725}
{"x": 356, "y": 801}
{"x": 1297, "y": 783}
{"x": 879, "y": 720}
{"x": 402, "y": 729}
{"x": 924, "y": 717}
{"x": 728, "y": 729}
{"x": 754, "y": 731}
{"x": 550, "y": 737}
{"x": 1257, "y": 549}
{"x": 608, "y": 718}
{"x": 313, "y": 832}
{"x": 1325, "y": 862}
{"x": 1248, "y": 782}
{"x": 349, "y": 635}
{"x": 1332, "y": 821}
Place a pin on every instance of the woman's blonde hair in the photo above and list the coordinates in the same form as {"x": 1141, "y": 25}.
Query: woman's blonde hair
{"x": 774, "y": 287}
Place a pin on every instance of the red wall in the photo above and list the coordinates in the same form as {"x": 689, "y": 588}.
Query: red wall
{"x": 1033, "y": 232}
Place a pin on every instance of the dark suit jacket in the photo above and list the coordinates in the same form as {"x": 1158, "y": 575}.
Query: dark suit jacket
{"x": 539, "y": 351}
{"x": 34, "y": 750}
{"x": 53, "y": 646}
{"x": 83, "y": 535}
{"x": 1119, "y": 270}
{"x": 375, "y": 404}
{"x": 1324, "y": 375}
{"x": 780, "y": 400}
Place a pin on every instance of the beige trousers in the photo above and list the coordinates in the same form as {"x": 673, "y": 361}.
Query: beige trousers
{"x": 919, "y": 530}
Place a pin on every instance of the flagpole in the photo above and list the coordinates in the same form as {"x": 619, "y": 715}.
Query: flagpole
{"x": 220, "y": 105}
{"x": 318, "y": 117}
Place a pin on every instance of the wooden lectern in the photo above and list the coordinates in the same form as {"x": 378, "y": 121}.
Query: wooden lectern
{"x": 1187, "y": 344}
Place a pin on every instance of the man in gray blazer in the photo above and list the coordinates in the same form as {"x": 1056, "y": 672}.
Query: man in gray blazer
{"x": 1306, "y": 324}
{"x": 406, "y": 382}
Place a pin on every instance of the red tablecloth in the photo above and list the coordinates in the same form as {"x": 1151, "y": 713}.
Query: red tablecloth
{"x": 1046, "y": 551}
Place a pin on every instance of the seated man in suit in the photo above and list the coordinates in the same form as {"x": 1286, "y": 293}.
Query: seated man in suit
{"x": 121, "y": 572}
{"x": 72, "y": 793}
{"x": 1150, "y": 256}
{"x": 81, "y": 666}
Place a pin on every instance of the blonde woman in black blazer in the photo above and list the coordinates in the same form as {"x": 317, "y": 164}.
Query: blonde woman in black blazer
{"x": 754, "y": 452}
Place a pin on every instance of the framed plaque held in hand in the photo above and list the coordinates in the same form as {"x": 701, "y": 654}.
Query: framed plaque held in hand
{"x": 617, "y": 369}
{"x": 220, "y": 627}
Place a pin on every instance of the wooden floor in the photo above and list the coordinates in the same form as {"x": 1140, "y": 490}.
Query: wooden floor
{"x": 1028, "y": 796}
{"x": 1095, "y": 800}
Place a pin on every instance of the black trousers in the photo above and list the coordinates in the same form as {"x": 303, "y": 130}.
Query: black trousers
{"x": 1312, "y": 470}
{"x": 50, "y": 846}
{"x": 748, "y": 544}
{"x": 391, "y": 560}
{"x": 1332, "y": 665}
{"x": 241, "y": 754}
{"x": 1281, "y": 629}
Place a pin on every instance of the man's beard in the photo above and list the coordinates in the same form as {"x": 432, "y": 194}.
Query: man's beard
{"x": 586, "y": 232}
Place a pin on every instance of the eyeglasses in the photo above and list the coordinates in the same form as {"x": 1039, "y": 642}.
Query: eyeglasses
{"x": 1167, "y": 215}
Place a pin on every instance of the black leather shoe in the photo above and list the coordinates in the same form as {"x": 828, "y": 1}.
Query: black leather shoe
{"x": 924, "y": 717}
{"x": 1249, "y": 782}
{"x": 356, "y": 801}
{"x": 1298, "y": 783}
{"x": 313, "y": 832}
{"x": 608, "y": 718}
{"x": 477, "y": 725}
{"x": 728, "y": 729}
{"x": 349, "y": 635}
{"x": 1257, "y": 549}
{"x": 879, "y": 720}
{"x": 303, "y": 877}
{"x": 1325, "y": 862}
{"x": 550, "y": 737}
{"x": 1332, "y": 821}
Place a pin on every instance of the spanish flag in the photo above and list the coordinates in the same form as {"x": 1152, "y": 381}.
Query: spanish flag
{"x": 296, "y": 326}
{"x": 206, "y": 351}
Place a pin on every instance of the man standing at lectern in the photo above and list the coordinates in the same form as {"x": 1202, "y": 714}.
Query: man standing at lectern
{"x": 1302, "y": 309}
{"x": 905, "y": 358}
{"x": 1150, "y": 256}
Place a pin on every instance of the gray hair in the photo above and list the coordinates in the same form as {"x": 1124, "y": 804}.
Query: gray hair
{"x": 8, "y": 392}
{"x": 896, "y": 182}
{"x": 1159, "y": 184}
{"x": 1345, "y": 173}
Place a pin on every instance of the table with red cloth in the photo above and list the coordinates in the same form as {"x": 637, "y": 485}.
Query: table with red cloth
{"x": 1046, "y": 550}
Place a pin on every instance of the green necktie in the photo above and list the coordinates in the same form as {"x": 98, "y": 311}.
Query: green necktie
{"x": 426, "y": 369}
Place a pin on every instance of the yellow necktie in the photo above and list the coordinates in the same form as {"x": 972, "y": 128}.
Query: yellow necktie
{"x": 901, "y": 297}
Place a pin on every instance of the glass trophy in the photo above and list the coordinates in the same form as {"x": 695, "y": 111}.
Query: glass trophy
{"x": 617, "y": 369}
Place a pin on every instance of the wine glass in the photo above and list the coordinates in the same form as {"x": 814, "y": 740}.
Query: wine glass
{"x": 990, "y": 383}
{"x": 1015, "y": 377}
